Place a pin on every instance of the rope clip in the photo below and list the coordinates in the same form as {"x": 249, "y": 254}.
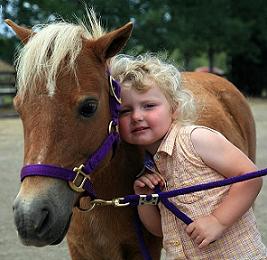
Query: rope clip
{"x": 114, "y": 202}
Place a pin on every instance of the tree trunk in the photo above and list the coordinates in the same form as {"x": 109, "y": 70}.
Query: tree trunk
{"x": 211, "y": 58}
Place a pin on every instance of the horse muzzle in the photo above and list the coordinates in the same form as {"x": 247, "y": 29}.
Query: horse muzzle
{"x": 43, "y": 219}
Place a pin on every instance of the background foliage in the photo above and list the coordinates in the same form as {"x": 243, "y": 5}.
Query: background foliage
{"x": 231, "y": 34}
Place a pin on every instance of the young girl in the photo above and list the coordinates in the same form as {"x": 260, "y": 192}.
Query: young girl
{"x": 157, "y": 114}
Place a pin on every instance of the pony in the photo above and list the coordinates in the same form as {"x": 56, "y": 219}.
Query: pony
{"x": 63, "y": 101}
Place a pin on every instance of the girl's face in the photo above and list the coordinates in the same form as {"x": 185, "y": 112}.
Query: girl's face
{"x": 145, "y": 117}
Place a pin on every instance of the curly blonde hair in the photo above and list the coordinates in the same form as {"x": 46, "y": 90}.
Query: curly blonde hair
{"x": 136, "y": 72}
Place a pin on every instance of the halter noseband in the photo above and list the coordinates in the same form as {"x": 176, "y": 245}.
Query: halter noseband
{"x": 78, "y": 178}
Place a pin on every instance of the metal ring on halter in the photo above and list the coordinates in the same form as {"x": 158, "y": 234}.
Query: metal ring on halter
{"x": 112, "y": 91}
{"x": 92, "y": 206}
{"x": 86, "y": 210}
{"x": 112, "y": 127}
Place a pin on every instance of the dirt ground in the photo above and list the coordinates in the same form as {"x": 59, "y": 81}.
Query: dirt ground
{"x": 11, "y": 149}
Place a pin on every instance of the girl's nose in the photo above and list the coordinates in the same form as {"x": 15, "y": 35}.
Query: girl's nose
{"x": 137, "y": 115}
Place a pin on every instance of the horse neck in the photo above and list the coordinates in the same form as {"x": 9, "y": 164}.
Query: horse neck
{"x": 117, "y": 178}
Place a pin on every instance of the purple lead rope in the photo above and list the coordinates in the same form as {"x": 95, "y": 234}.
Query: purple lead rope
{"x": 133, "y": 200}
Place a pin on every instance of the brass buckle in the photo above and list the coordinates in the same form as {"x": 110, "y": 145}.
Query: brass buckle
{"x": 79, "y": 180}
{"x": 112, "y": 91}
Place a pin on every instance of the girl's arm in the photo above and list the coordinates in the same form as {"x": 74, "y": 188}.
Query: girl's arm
{"x": 225, "y": 158}
{"x": 150, "y": 217}
{"x": 149, "y": 214}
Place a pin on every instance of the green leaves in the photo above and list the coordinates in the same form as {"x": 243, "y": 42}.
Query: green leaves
{"x": 185, "y": 29}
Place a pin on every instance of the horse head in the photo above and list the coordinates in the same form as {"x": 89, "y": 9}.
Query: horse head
{"x": 62, "y": 99}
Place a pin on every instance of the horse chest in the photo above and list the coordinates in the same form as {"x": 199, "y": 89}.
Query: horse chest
{"x": 102, "y": 233}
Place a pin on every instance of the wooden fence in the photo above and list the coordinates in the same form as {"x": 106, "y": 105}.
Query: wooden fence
{"x": 7, "y": 88}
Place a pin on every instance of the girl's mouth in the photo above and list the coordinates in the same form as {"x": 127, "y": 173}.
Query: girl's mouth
{"x": 139, "y": 129}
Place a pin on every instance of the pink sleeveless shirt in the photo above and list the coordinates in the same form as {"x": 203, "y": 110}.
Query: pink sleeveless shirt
{"x": 180, "y": 165}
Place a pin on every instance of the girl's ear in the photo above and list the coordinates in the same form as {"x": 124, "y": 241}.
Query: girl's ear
{"x": 175, "y": 113}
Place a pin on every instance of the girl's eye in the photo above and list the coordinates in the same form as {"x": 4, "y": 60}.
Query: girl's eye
{"x": 149, "y": 106}
{"x": 124, "y": 111}
{"x": 88, "y": 108}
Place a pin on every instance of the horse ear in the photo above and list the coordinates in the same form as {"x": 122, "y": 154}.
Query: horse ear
{"x": 111, "y": 43}
{"x": 22, "y": 33}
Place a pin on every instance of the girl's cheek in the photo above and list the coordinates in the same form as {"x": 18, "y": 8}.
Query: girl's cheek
{"x": 124, "y": 134}
{"x": 123, "y": 129}
{"x": 122, "y": 123}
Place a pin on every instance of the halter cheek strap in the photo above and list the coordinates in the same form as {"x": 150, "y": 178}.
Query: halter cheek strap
{"x": 78, "y": 178}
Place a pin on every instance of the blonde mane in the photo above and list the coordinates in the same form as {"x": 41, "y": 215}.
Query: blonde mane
{"x": 40, "y": 59}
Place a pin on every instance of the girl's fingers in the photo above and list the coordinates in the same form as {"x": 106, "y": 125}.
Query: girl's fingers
{"x": 139, "y": 183}
{"x": 156, "y": 178}
{"x": 162, "y": 183}
{"x": 204, "y": 243}
{"x": 198, "y": 240}
{"x": 194, "y": 235}
{"x": 153, "y": 178}
{"x": 190, "y": 228}
{"x": 150, "y": 180}
{"x": 147, "y": 181}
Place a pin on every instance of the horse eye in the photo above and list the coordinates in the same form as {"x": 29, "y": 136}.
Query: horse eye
{"x": 88, "y": 108}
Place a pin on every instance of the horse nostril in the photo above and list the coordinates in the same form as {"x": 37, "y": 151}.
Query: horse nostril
{"x": 42, "y": 223}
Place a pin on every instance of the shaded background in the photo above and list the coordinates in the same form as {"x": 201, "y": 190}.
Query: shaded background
{"x": 229, "y": 34}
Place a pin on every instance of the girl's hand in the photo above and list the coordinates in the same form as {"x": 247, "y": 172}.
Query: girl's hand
{"x": 147, "y": 182}
{"x": 205, "y": 230}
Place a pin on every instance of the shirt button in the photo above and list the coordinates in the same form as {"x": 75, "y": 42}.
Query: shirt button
{"x": 176, "y": 243}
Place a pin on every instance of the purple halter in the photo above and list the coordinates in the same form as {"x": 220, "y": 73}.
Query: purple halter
{"x": 78, "y": 178}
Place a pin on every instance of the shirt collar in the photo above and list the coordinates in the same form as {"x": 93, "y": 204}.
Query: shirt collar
{"x": 168, "y": 141}
{"x": 166, "y": 146}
